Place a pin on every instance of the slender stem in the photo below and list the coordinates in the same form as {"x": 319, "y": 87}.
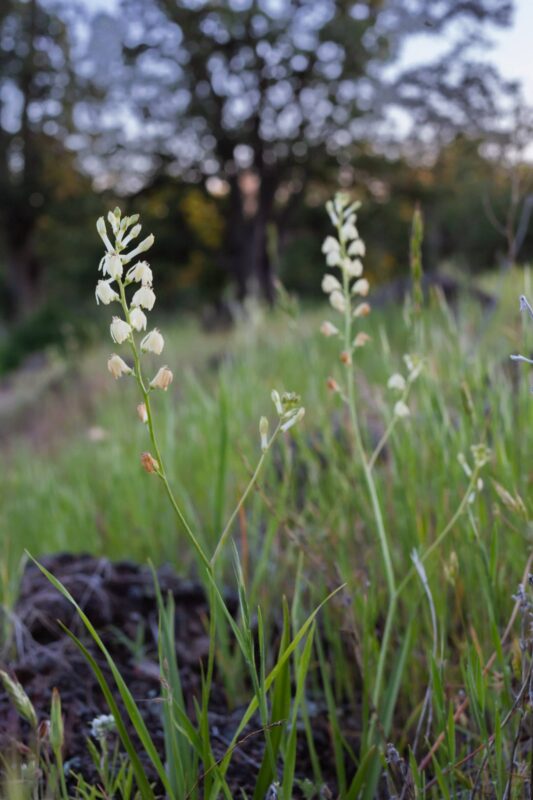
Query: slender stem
{"x": 227, "y": 530}
{"x": 161, "y": 472}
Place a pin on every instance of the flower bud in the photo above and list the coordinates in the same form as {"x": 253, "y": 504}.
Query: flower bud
{"x": 101, "y": 228}
{"x": 353, "y": 268}
{"x": 120, "y": 330}
{"x": 118, "y": 367}
{"x": 276, "y": 399}
{"x": 138, "y": 319}
{"x": 357, "y": 248}
{"x": 294, "y": 417}
{"x": 149, "y": 463}
{"x": 263, "y": 433}
{"x": 330, "y": 245}
{"x": 346, "y": 357}
{"x": 141, "y": 273}
{"x": 153, "y": 342}
{"x": 57, "y": 734}
{"x": 113, "y": 266}
{"x": 19, "y": 698}
{"x": 361, "y": 339}
{"x": 104, "y": 293}
{"x": 330, "y": 284}
{"x": 328, "y": 329}
{"x": 141, "y": 248}
{"x": 144, "y": 297}
{"x": 163, "y": 379}
{"x": 142, "y": 413}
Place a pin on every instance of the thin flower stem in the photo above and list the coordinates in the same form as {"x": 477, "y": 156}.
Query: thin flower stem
{"x": 227, "y": 530}
{"x": 151, "y": 429}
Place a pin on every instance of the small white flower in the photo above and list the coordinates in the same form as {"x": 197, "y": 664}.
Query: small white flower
{"x": 401, "y": 409}
{"x": 144, "y": 297}
{"x": 134, "y": 232}
{"x": 330, "y": 283}
{"x": 361, "y": 339}
{"x": 349, "y": 231}
{"x": 112, "y": 266}
{"x": 333, "y": 258}
{"x": 142, "y": 413}
{"x": 362, "y": 310}
{"x": 353, "y": 268}
{"x": 103, "y": 725}
{"x": 338, "y": 301}
{"x": 396, "y": 382}
{"x": 141, "y": 273}
{"x": 118, "y": 367}
{"x": 163, "y": 379}
{"x": 138, "y": 319}
{"x": 328, "y": 329}
{"x": 120, "y": 330}
{"x": 361, "y": 287}
{"x": 330, "y": 245}
{"x": 104, "y": 293}
{"x": 153, "y": 342}
{"x": 332, "y": 213}
{"x": 263, "y": 433}
{"x": 357, "y": 248}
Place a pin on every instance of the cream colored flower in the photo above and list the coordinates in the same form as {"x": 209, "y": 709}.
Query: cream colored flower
{"x": 362, "y": 310}
{"x": 120, "y": 330}
{"x": 163, "y": 379}
{"x": 330, "y": 245}
{"x": 353, "y": 268}
{"x": 357, "y": 248}
{"x": 138, "y": 319}
{"x": 142, "y": 413}
{"x": 401, "y": 409}
{"x": 118, "y": 367}
{"x": 141, "y": 248}
{"x": 112, "y": 266}
{"x": 141, "y": 273}
{"x": 338, "y": 301}
{"x": 330, "y": 283}
{"x": 396, "y": 382}
{"x": 263, "y": 433}
{"x": 149, "y": 463}
{"x": 144, "y": 297}
{"x": 153, "y": 342}
{"x": 104, "y": 293}
{"x": 361, "y": 339}
{"x": 361, "y": 287}
{"x": 328, "y": 329}
{"x": 102, "y": 231}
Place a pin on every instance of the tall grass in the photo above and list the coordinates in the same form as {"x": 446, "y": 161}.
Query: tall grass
{"x": 313, "y": 516}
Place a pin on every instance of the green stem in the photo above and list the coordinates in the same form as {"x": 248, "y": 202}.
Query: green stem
{"x": 161, "y": 472}
{"x": 227, "y": 530}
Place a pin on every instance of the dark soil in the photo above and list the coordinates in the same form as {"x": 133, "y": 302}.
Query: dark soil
{"x": 120, "y": 601}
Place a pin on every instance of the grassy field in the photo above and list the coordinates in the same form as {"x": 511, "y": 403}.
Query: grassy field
{"x": 309, "y": 526}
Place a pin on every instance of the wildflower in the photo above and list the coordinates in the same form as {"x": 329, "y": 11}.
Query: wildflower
{"x": 118, "y": 367}
{"x": 332, "y": 385}
{"x": 149, "y": 463}
{"x": 163, "y": 379}
{"x": 353, "y": 268}
{"x": 102, "y": 725}
{"x": 481, "y": 454}
{"x": 120, "y": 330}
{"x": 140, "y": 273}
{"x": 104, "y": 293}
{"x": 138, "y": 319}
{"x": 396, "y": 382}
{"x": 135, "y": 231}
{"x": 144, "y": 297}
{"x": 153, "y": 342}
{"x": 349, "y": 231}
{"x": 357, "y": 248}
{"x": 401, "y": 409}
{"x": 112, "y": 266}
{"x": 142, "y": 413}
{"x": 276, "y": 399}
{"x": 361, "y": 287}
{"x": 328, "y": 329}
{"x": 361, "y": 339}
{"x": 330, "y": 284}
{"x": 263, "y": 433}
{"x": 346, "y": 357}
{"x": 362, "y": 310}
{"x": 414, "y": 366}
{"x": 333, "y": 258}
{"x": 330, "y": 245}
{"x": 338, "y": 301}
